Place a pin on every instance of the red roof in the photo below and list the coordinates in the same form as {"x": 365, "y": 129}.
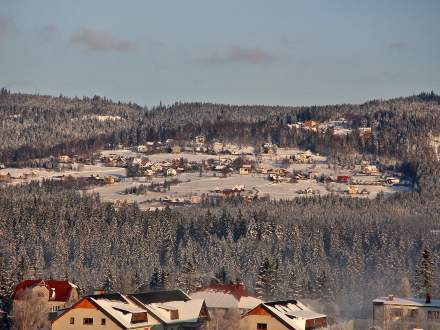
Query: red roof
{"x": 63, "y": 289}
{"x": 237, "y": 290}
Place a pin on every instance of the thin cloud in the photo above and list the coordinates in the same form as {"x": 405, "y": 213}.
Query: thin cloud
{"x": 398, "y": 45}
{"x": 7, "y": 25}
{"x": 95, "y": 41}
{"x": 241, "y": 55}
{"x": 47, "y": 33}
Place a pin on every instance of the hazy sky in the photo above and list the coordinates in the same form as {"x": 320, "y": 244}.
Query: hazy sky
{"x": 232, "y": 51}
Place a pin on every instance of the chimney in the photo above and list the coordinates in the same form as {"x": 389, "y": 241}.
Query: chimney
{"x": 428, "y": 298}
{"x": 390, "y": 297}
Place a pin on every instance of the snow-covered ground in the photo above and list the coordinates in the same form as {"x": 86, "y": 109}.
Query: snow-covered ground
{"x": 194, "y": 184}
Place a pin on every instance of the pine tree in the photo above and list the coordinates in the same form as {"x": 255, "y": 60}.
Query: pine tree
{"x": 164, "y": 279}
{"x": 424, "y": 275}
{"x": 322, "y": 289}
{"x": 155, "y": 279}
{"x": 6, "y": 282}
{"x": 108, "y": 284}
{"x": 136, "y": 282}
{"x": 266, "y": 279}
{"x": 188, "y": 279}
{"x": 222, "y": 275}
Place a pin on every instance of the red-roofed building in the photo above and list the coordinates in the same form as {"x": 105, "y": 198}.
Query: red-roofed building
{"x": 220, "y": 296}
{"x": 59, "y": 294}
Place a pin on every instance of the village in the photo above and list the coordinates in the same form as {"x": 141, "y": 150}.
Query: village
{"x": 216, "y": 305}
{"x": 160, "y": 174}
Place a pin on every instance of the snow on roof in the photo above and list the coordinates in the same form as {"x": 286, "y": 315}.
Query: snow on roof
{"x": 216, "y": 299}
{"x": 218, "y": 295}
{"x": 188, "y": 311}
{"x": 292, "y": 312}
{"x": 407, "y": 302}
{"x": 122, "y": 312}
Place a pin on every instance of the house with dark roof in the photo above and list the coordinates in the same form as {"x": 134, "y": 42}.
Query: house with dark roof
{"x": 58, "y": 294}
{"x": 171, "y": 310}
{"x": 283, "y": 314}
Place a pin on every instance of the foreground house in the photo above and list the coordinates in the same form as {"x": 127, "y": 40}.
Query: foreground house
{"x": 218, "y": 296}
{"x": 280, "y": 315}
{"x": 58, "y": 294}
{"x": 152, "y": 310}
{"x": 398, "y": 313}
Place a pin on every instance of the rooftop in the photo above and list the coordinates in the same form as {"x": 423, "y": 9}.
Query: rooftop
{"x": 418, "y": 302}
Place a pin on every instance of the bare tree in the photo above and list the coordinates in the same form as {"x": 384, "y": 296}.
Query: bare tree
{"x": 30, "y": 311}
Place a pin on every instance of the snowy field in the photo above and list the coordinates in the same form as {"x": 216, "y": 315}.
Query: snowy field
{"x": 86, "y": 170}
{"x": 193, "y": 184}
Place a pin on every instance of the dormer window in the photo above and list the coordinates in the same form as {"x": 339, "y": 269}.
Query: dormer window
{"x": 174, "y": 314}
{"x": 139, "y": 317}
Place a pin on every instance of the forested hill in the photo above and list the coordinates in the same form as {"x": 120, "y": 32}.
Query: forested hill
{"x": 34, "y": 126}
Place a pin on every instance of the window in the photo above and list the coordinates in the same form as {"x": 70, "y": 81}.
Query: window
{"x": 72, "y": 320}
{"x": 396, "y": 312}
{"x": 174, "y": 314}
{"x": 88, "y": 320}
{"x": 413, "y": 313}
{"x": 261, "y": 326}
{"x": 433, "y": 315}
{"x": 102, "y": 321}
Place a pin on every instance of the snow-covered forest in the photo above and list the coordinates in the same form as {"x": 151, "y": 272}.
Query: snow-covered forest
{"x": 341, "y": 251}
{"x": 34, "y": 126}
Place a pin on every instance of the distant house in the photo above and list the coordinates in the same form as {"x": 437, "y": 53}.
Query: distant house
{"x": 370, "y": 169}
{"x": 399, "y": 313}
{"x": 287, "y": 314}
{"x": 171, "y": 172}
{"x": 151, "y": 310}
{"x": 364, "y": 131}
{"x": 220, "y": 296}
{"x": 64, "y": 159}
{"x": 343, "y": 179}
{"x": 310, "y": 123}
{"x": 109, "y": 179}
{"x": 59, "y": 294}
{"x": 245, "y": 169}
{"x": 199, "y": 139}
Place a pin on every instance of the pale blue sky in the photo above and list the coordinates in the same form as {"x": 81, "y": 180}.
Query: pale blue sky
{"x": 232, "y": 51}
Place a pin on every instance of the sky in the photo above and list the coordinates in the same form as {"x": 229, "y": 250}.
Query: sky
{"x": 281, "y": 52}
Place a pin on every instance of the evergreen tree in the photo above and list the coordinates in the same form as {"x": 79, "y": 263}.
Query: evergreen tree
{"x": 188, "y": 280}
{"x": 155, "y": 279}
{"x": 322, "y": 287}
{"x": 164, "y": 279}
{"x": 424, "y": 275}
{"x": 266, "y": 279}
{"x": 222, "y": 275}
{"x": 108, "y": 284}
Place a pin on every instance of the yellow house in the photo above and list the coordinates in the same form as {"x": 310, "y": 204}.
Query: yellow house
{"x": 353, "y": 190}
{"x": 63, "y": 159}
{"x": 245, "y": 169}
{"x": 282, "y": 315}
{"x": 107, "y": 311}
{"x": 160, "y": 310}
